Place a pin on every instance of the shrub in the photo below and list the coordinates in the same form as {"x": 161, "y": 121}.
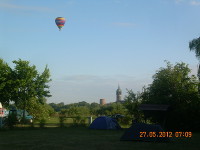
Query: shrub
{"x": 61, "y": 120}
{"x": 42, "y": 123}
{"x": 11, "y": 121}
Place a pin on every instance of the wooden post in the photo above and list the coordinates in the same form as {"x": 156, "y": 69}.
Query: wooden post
{"x": 90, "y": 119}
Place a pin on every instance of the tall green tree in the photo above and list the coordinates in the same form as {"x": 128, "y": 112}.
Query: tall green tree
{"x": 28, "y": 84}
{"x": 42, "y": 87}
{"x": 5, "y": 83}
{"x": 194, "y": 45}
{"x": 132, "y": 102}
{"x": 175, "y": 86}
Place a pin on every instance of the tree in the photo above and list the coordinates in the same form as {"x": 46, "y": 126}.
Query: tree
{"x": 42, "y": 87}
{"x": 175, "y": 87}
{"x": 194, "y": 45}
{"x": 29, "y": 84}
{"x": 111, "y": 109}
{"x": 83, "y": 103}
{"x": 5, "y": 83}
{"x": 57, "y": 107}
{"x": 105, "y": 110}
{"x": 72, "y": 111}
{"x": 132, "y": 102}
{"x": 94, "y": 107}
{"x": 117, "y": 108}
{"x": 39, "y": 110}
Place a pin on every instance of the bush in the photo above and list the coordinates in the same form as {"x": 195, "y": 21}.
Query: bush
{"x": 125, "y": 121}
{"x": 79, "y": 121}
{"x": 61, "y": 120}
{"x": 42, "y": 123}
{"x": 11, "y": 121}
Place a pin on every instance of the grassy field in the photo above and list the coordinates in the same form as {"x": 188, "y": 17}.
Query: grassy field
{"x": 80, "y": 138}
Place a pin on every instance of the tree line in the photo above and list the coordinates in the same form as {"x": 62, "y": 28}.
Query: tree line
{"x": 172, "y": 85}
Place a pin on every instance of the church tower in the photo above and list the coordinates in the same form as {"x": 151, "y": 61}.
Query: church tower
{"x": 118, "y": 94}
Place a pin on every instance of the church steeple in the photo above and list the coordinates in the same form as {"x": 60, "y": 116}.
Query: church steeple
{"x": 118, "y": 94}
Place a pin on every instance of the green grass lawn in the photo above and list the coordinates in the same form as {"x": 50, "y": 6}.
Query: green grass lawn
{"x": 83, "y": 139}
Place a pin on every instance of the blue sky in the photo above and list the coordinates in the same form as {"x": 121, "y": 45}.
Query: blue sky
{"x": 103, "y": 43}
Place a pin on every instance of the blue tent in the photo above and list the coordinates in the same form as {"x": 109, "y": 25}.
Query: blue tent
{"x": 104, "y": 123}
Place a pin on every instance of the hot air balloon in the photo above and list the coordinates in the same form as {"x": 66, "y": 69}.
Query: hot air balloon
{"x": 60, "y": 21}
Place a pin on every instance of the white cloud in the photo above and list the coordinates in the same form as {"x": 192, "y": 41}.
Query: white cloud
{"x": 195, "y": 3}
{"x": 188, "y": 2}
{"x": 27, "y": 8}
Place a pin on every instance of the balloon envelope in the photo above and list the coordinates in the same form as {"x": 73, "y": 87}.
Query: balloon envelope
{"x": 60, "y": 21}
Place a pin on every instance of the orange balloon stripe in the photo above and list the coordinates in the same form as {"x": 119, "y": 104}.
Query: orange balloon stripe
{"x": 60, "y": 18}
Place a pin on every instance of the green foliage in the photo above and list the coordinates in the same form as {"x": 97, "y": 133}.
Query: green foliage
{"x": 72, "y": 111}
{"x": 26, "y": 88}
{"x": 194, "y": 45}
{"x": 42, "y": 123}
{"x": 28, "y": 83}
{"x": 132, "y": 101}
{"x": 175, "y": 87}
{"x": 77, "y": 111}
{"x": 11, "y": 120}
{"x": 58, "y": 107}
{"x": 79, "y": 121}
{"x": 39, "y": 110}
{"x": 24, "y": 77}
{"x": 5, "y": 83}
{"x": 94, "y": 107}
{"x": 111, "y": 109}
{"x": 84, "y": 109}
{"x": 125, "y": 121}
{"x": 62, "y": 117}
{"x": 117, "y": 108}
{"x": 42, "y": 86}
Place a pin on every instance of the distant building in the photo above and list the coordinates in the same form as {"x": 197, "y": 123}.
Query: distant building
{"x": 119, "y": 95}
{"x": 118, "y": 98}
{"x": 102, "y": 101}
